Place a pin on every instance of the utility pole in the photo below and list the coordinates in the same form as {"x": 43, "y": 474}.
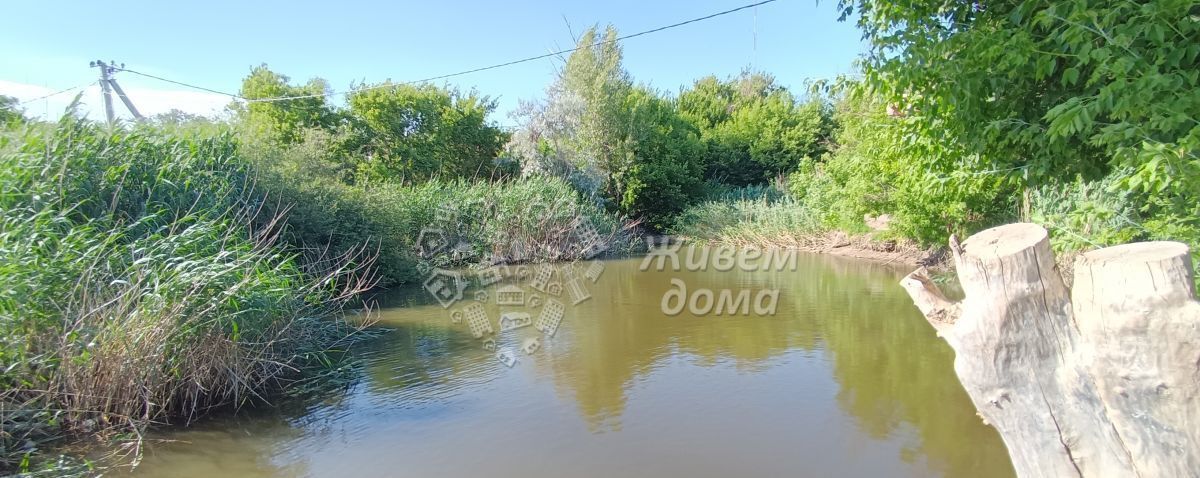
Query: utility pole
{"x": 104, "y": 75}
{"x": 108, "y": 84}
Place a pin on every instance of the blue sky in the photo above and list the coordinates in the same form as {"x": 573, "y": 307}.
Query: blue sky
{"x": 48, "y": 43}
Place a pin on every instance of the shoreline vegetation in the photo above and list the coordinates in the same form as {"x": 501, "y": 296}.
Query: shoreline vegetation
{"x": 766, "y": 216}
{"x": 144, "y": 285}
{"x": 156, "y": 271}
{"x": 155, "y": 274}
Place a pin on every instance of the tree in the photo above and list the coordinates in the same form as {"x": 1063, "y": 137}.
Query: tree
{"x": 10, "y": 111}
{"x": 625, "y": 146}
{"x": 285, "y": 119}
{"x": 581, "y": 130}
{"x": 545, "y": 142}
{"x": 408, "y": 133}
{"x": 177, "y": 117}
{"x": 1050, "y": 92}
{"x": 753, "y": 129}
{"x": 873, "y": 168}
{"x": 594, "y": 74}
{"x": 667, "y": 170}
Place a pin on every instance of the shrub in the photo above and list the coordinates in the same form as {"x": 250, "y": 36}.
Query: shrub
{"x": 489, "y": 217}
{"x": 874, "y": 170}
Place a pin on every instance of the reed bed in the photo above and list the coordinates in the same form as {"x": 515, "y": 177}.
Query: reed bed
{"x": 144, "y": 283}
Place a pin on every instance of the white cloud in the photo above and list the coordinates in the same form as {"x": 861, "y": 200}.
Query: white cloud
{"x": 148, "y": 101}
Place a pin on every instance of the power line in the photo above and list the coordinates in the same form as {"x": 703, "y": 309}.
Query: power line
{"x": 565, "y": 51}
{"x": 108, "y": 84}
{"x": 56, "y": 93}
{"x": 180, "y": 83}
{"x": 473, "y": 70}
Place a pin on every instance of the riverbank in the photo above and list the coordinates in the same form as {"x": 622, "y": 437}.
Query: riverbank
{"x": 839, "y": 243}
{"x": 155, "y": 275}
{"x": 620, "y": 378}
{"x": 410, "y": 227}
{"x": 143, "y": 285}
{"x": 770, "y": 217}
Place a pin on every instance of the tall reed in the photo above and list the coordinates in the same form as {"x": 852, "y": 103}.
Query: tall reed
{"x": 143, "y": 283}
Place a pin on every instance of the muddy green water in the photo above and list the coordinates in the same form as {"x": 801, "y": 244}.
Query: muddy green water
{"x": 846, "y": 379}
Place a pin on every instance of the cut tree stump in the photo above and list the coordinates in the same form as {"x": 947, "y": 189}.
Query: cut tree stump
{"x": 1102, "y": 380}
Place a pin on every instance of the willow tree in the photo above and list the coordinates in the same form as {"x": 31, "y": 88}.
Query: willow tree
{"x": 594, "y": 73}
{"x": 625, "y": 146}
{"x": 580, "y": 130}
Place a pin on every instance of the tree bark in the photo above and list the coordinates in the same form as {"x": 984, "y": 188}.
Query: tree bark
{"x": 1100, "y": 381}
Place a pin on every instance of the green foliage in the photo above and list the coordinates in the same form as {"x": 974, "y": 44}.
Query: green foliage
{"x": 10, "y": 111}
{"x": 492, "y": 218}
{"x": 387, "y": 132}
{"x": 1087, "y": 214}
{"x": 140, "y": 286}
{"x": 874, "y": 170}
{"x": 753, "y": 129}
{"x": 284, "y": 119}
{"x": 407, "y": 134}
{"x": 594, "y": 74}
{"x": 1082, "y": 88}
{"x": 620, "y": 145}
{"x": 666, "y": 171}
{"x": 752, "y": 215}
{"x": 179, "y": 118}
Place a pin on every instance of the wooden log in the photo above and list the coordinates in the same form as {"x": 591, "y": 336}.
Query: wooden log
{"x": 1102, "y": 385}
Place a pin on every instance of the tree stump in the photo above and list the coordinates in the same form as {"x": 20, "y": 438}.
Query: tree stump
{"x": 1102, "y": 380}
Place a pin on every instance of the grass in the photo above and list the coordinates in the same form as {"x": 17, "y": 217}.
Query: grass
{"x": 760, "y": 215}
{"x": 144, "y": 284}
{"x": 153, "y": 274}
{"x": 767, "y": 217}
{"x": 517, "y": 220}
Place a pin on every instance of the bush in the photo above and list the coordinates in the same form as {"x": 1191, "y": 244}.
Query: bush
{"x": 407, "y": 134}
{"x": 873, "y": 170}
{"x": 517, "y": 220}
{"x": 1083, "y": 215}
{"x": 665, "y": 175}
{"x": 753, "y": 129}
{"x": 1068, "y": 93}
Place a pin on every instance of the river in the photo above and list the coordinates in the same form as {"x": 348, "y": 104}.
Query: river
{"x": 844, "y": 379}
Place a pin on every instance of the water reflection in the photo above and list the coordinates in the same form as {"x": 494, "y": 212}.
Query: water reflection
{"x": 845, "y": 379}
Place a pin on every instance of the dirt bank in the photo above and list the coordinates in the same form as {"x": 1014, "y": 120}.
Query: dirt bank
{"x": 861, "y": 247}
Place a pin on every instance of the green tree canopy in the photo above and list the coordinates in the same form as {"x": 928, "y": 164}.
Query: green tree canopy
{"x": 667, "y": 168}
{"x": 1050, "y": 92}
{"x": 626, "y": 146}
{"x": 10, "y": 111}
{"x": 409, "y": 133}
{"x": 285, "y": 119}
{"x": 753, "y": 129}
{"x": 594, "y": 74}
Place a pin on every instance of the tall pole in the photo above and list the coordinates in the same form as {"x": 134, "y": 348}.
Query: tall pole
{"x": 108, "y": 84}
{"x": 104, "y": 86}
